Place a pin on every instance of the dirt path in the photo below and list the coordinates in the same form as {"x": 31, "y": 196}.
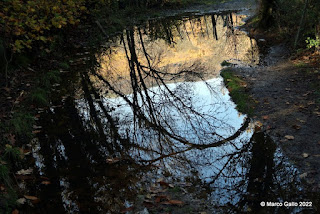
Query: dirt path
{"x": 288, "y": 105}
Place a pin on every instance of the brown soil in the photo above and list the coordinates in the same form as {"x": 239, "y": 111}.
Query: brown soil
{"x": 286, "y": 90}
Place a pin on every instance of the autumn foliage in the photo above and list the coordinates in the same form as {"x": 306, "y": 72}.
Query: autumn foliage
{"x": 23, "y": 23}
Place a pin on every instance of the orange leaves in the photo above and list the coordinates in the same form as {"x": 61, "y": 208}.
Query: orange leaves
{"x": 173, "y": 202}
{"x": 15, "y": 211}
{"x": 32, "y": 198}
{"x": 160, "y": 194}
{"x": 45, "y": 182}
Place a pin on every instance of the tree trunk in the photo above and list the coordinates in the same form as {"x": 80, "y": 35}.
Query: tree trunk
{"x": 266, "y": 13}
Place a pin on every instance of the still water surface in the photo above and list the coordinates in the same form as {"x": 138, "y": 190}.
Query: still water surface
{"x": 153, "y": 106}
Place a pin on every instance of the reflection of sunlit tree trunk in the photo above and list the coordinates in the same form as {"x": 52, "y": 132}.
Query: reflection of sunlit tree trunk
{"x": 185, "y": 28}
{"x": 214, "y": 26}
{"x": 192, "y": 28}
{"x": 201, "y": 28}
{"x": 178, "y": 30}
{"x": 207, "y": 28}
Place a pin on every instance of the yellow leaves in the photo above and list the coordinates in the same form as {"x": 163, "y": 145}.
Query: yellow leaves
{"x": 36, "y": 19}
{"x": 18, "y": 45}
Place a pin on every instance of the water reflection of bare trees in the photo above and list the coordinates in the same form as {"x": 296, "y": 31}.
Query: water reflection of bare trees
{"x": 149, "y": 111}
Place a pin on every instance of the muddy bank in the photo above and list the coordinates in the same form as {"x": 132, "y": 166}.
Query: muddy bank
{"x": 285, "y": 90}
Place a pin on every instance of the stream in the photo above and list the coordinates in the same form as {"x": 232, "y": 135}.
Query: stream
{"x": 146, "y": 123}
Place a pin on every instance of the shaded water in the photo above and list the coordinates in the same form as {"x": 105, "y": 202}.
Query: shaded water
{"x": 153, "y": 105}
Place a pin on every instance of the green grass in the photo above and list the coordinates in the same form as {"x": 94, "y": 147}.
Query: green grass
{"x": 236, "y": 87}
{"x": 4, "y": 173}
{"x": 22, "y": 124}
{"x": 64, "y": 65}
{"x": 300, "y": 65}
{"x": 51, "y": 77}
{"x": 12, "y": 153}
{"x": 39, "y": 97}
{"x": 8, "y": 197}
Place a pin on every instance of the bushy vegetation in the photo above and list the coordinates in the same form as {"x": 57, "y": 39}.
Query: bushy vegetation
{"x": 24, "y": 23}
{"x": 297, "y": 20}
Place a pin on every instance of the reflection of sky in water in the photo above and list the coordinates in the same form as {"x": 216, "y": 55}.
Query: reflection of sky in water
{"x": 224, "y": 167}
{"x": 205, "y": 108}
{"x": 212, "y": 112}
{"x": 182, "y": 112}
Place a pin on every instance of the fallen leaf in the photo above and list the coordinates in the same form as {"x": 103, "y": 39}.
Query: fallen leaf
{"x": 25, "y": 171}
{"x": 36, "y": 131}
{"x": 317, "y": 113}
{"x": 266, "y": 117}
{"x": 26, "y": 151}
{"x": 2, "y": 188}
{"x": 127, "y": 209}
{"x": 289, "y": 137}
{"x": 46, "y": 182}
{"x": 297, "y": 127}
{"x": 112, "y": 160}
{"x": 173, "y": 202}
{"x": 303, "y": 175}
{"x": 162, "y": 183}
{"x": 36, "y": 127}
{"x": 3, "y": 162}
{"x": 148, "y": 203}
{"x": 171, "y": 185}
{"x": 15, "y": 211}
{"x": 21, "y": 200}
{"x": 305, "y": 155}
{"x": 32, "y": 198}
{"x": 161, "y": 198}
{"x": 159, "y": 180}
{"x": 301, "y": 121}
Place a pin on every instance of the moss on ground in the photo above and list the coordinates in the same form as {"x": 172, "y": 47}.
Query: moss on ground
{"x": 237, "y": 89}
